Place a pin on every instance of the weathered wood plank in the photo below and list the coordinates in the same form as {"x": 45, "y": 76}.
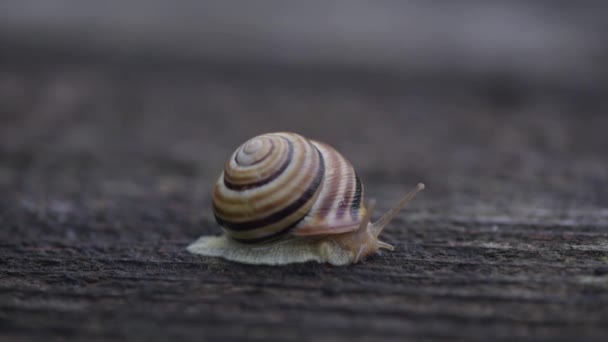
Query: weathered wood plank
{"x": 105, "y": 173}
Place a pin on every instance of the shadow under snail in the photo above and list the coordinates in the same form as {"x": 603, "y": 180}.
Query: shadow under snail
{"x": 283, "y": 198}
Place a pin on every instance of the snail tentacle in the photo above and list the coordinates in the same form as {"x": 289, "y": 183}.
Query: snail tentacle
{"x": 386, "y": 218}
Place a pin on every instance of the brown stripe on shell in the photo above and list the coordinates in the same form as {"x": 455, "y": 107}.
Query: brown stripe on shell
{"x": 308, "y": 194}
{"x": 237, "y": 200}
{"x": 333, "y": 186}
{"x": 266, "y": 215}
{"x": 356, "y": 204}
{"x": 264, "y": 157}
{"x": 307, "y": 179}
{"x": 323, "y": 218}
{"x": 244, "y": 174}
{"x": 268, "y": 179}
{"x": 235, "y": 197}
{"x": 345, "y": 202}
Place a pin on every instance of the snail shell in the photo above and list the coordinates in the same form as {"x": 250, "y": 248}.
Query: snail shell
{"x": 282, "y": 198}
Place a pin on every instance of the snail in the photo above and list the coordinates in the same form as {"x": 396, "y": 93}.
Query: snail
{"x": 283, "y": 198}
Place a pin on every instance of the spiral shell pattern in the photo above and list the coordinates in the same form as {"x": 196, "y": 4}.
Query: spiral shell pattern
{"x": 277, "y": 184}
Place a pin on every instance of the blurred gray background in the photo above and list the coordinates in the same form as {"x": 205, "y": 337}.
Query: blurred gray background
{"x": 562, "y": 43}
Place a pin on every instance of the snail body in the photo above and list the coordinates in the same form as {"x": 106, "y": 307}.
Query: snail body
{"x": 283, "y": 198}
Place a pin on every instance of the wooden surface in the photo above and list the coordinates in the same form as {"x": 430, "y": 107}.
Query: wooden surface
{"x": 106, "y": 171}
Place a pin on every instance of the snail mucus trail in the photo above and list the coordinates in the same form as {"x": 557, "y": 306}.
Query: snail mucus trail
{"x": 283, "y": 198}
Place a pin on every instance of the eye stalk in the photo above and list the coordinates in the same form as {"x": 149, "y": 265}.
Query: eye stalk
{"x": 386, "y": 218}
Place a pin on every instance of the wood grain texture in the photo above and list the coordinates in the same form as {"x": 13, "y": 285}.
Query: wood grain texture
{"x": 105, "y": 178}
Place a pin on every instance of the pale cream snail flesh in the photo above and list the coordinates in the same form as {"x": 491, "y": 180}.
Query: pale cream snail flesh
{"x": 283, "y": 199}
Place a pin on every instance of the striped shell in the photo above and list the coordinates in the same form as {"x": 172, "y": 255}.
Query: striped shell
{"x": 278, "y": 184}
